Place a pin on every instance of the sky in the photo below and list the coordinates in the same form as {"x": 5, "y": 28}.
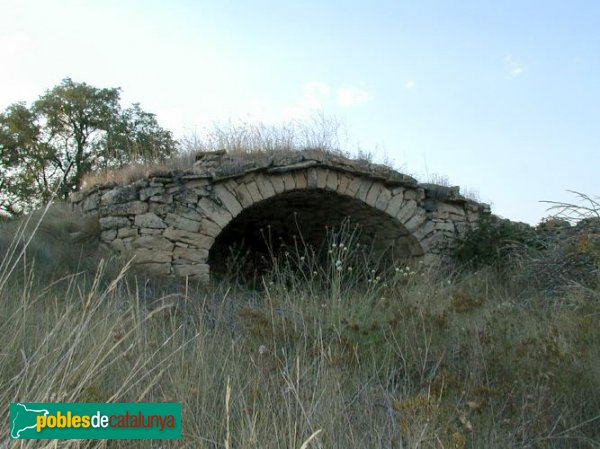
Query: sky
{"x": 500, "y": 98}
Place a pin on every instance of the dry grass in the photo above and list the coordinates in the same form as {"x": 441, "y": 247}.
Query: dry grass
{"x": 403, "y": 359}
{"x": 256, "y": 143}
{"x": 245, "y": 142}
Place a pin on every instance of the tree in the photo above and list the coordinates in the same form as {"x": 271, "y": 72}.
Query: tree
{"x": 74, "y": 117}
{"x": 136, "y": 138}
{"x": 71, "y": 130}
{"x": 24, "y": 161}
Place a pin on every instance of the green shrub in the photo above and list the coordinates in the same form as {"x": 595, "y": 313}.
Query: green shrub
{"x": 493, "y": 242}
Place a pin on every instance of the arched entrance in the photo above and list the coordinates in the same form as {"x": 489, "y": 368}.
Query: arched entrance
{"x": 299, "y": 220}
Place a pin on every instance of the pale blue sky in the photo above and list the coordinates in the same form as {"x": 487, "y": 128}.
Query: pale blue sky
{"x": 500, "y": 97}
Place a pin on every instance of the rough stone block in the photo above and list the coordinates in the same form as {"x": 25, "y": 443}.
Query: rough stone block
{"x": 159, "y": 209}
{"x": 152, "y": 242}
{"x": 90, "y": 203}
{"x": 119, "y": 195}
{"x": 446, "y": 227}
{"x": 332, "y": 181}
{"x": 189, "y": 213}
{"x": 424, "y": 230}
{"x": 228, "y": 200}
{"x": 166, "y": 198}
{"x": 185, "y": 196}
{"x": 450, "y": 209}
{"x": 383, "y": 200}
{"x": 144, "y": 255}
{"x": 373, "y": 194}
{"x": 140, "y": 183}
{"x": 311, "y": 178}
{"x": 113, "y": 222}
{"x": 210, "y": 228}
{"x": 150, "y": 192}
{"x": 218, "y": 214}
{"x": 191, "y": 254}
{"x": 182, "y": 223}
{"x": 432, "y": 241}
{"x": 277, "y": 182}
{"x": 147, "y": 231}
{"x": 118, "y": 245}
{"x": 472, "y": 217}
{"x": 439, "y": 215}
{"x": 344, "y": 181}
{"x": 127, "y": 232}
{"x": 108, "y": 236}
{"x": 243, "y": 195}
{"x": 410, "y": 194}
{"x": 127, "y": 242}
{"x": 132, "y": 208}
{"x": 149, "y": 220}
{"x": 418, "y": 218}
{"x": 407, "y": 210}
{"x": 289, "y": 182}
{"x": 322, "y": 178}
{"x": 300, "y": 179}
{"x": 265, "y": 187}
{"x": 193, "y": 238}
{"x": 457, "y": 218}
{"x": 355, "y": 183}
{"x": 198, "y": 184}
{"x": 363, "y": 189}
{"x": 420, "y": 194}
{"x": 254, "y": 192}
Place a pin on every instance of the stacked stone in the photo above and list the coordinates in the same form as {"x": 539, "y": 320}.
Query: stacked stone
{"x": 169, "y": 221}
{"x": 157, "y": 222}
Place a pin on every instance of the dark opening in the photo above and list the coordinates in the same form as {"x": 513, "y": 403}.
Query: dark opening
{"x": 302, "y": 218}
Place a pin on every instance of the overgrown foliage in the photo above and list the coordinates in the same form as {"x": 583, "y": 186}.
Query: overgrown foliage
{"x": 560, "y": 253}
{"x": 492, "y": 242}
{"x": 242, "y": 137}
{"x": 71, "y": 130}
{"x": 249, "y": 143}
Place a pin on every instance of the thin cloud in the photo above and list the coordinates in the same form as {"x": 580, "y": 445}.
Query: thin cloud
{"x": 352, "y": 95}
{"x": 515, "y": 68}
{"x": 318, "y": 95}
{"x": 314, "y": 96}
{"x": 315, "y": 93}
{"x": 410, "y": 84}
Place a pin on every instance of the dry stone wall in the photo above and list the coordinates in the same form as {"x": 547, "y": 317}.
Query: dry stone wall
{"x": 170, "y": 220}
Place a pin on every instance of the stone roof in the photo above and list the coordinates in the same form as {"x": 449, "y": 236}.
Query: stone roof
{"x": 220, "y": 165}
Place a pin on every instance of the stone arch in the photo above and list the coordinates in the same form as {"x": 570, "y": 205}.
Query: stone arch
{"x": 170, "y": 220}
{"x": 392, "y": 213}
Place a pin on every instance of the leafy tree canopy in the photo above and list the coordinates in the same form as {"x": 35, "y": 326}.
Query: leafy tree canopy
{"x": 71, "y": 130}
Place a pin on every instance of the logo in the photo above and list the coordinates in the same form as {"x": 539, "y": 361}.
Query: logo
{"x": 102, "y": 421}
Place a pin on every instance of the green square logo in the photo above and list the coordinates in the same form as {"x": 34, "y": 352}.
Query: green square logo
{"x": 99, "y": 421}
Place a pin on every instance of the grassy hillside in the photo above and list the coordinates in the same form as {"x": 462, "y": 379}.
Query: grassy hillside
{"x": 488, "y": 357}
